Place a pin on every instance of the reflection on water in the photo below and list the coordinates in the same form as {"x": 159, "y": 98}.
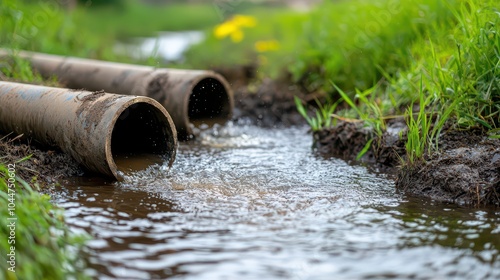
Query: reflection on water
{"x": 198, "y": 125}
{"x": 245, "y": 203}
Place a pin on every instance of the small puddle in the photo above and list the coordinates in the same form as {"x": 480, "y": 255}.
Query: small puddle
{"x": 169, "y": 46}
{"x": 243, "y": 202}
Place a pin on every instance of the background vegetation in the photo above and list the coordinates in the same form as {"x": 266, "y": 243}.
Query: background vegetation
{"x": 447, "y": 69}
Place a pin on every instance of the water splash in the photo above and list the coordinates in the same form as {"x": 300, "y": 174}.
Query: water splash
{"x": 246, "y": 202}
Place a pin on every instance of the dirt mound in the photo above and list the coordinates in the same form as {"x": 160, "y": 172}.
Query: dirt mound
{"x": 269, "y": 105}
{"x": 267, "y": 102}
{"x": 465, "y": 171}
{"x": 347, "y": 139}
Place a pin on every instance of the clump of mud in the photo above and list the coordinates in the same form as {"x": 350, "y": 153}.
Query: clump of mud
{"x": 466, "y": 170}
{"x": 390, "y": 149}
{"x": 266, "y": 102}
{"x": 269, "y": 104}
{"x": 48, "y": 166}
{"x": 347, "y": 139}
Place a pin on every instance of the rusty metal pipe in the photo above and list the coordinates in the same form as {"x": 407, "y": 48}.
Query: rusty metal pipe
{"x": 190, "y": 96}
{"x": 99, "y": 130}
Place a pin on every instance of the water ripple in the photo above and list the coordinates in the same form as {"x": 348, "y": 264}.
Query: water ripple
{"x": 244, "y": 202}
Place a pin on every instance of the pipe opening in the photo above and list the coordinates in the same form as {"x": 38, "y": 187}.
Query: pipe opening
{"x": 141, "y": 137}
{"x": 209, "y": 103}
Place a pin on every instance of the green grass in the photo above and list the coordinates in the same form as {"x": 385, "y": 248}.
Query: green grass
{"x": 459, "y": 75}
{"x": 348, "y": 42}
{"x": 42, "y": 26}
{"x": 43, "y": 246}
{"x": 20, "y": 70}
{"x": 450, "y": 68}
{"x": 322, "y": 118}
{"x": 473, "y": 73}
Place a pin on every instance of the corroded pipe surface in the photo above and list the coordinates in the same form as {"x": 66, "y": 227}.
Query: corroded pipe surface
{"x": 106, "y": 133}
{"x": 190, "y": 96}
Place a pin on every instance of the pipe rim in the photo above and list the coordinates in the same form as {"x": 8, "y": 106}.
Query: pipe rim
{"x": 109, "y": 133}
{"x": 228, "y": 92}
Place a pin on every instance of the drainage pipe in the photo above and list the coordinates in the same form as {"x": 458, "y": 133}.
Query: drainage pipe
{"x": 107, "y": 133}
{"x": 190, "y": 96}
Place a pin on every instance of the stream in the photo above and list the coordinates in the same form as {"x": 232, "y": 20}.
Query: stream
{"x": 244, "y": 202}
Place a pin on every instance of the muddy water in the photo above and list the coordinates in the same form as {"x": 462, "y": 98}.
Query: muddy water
{"x": 128, "y": 164}
{"x": 250, "y": 203}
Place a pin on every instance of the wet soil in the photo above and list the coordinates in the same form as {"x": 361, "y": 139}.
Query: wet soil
{"x": 46, "y": 165}
{"x": 466, "y": 170}
{"x": 348, "y": 139}
{"x": 270, "y": 104}
{"x": 267, "y": 102}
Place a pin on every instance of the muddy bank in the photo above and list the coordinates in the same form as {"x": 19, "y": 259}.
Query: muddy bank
{"x": 466, "y": 170}
{"x": 266, "y": 102}
{"x": 269, "y": 105}
{"x": 348, "y": 139}
{"x": 47, "y": 165}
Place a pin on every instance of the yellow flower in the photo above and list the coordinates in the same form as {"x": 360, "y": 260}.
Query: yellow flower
{"x": 225, "y": 29}
{"x": 233, "y": 26}
{"x": 265, "y": 46}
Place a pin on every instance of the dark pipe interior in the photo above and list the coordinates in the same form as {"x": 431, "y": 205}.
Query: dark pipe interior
{"x": 141, "y": 137}
{"x": 209, "y": 102}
